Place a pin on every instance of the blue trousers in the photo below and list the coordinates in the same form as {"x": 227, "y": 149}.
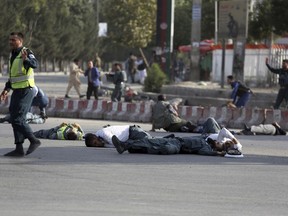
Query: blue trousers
{"x": 21, "y": 100}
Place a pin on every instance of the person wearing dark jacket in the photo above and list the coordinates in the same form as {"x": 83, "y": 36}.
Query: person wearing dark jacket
{"x": 282, "y": 80}
{"x": 169, "y": 145}
{"x": 240, "y": 94}
{"x": 93, "y": 75}
{"x": 21, "y": 81}
{"x": 118, "y": 81}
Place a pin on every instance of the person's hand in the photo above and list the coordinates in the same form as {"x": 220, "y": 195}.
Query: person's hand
{"x": 24, "y": 54}
{"x": 222, "y": 153}
{"x": 3, "y": 95}
{"x": 266, "y": 61}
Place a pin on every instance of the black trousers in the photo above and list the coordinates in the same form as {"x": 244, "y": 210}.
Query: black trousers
{"x": 282, "y": 94}
{"x": 92, "y": 89}
{"x": 21, "y": 100}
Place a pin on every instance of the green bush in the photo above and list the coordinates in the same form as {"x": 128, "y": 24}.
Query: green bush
{"x": 155, "y": 79}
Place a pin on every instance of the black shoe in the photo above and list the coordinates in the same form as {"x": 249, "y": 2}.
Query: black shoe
{"x": 15, "y": 153}
{"x": 2, "y": 120}
{"x": 247, "y": 132}
{"x": 66, "y": 96}
{"x": 120, "y": 147}
{"x": 43, "y": 116}
{"x": 247, "y": 128}
{"x": 81, "y": 96}
{"x": 33, "y": 146}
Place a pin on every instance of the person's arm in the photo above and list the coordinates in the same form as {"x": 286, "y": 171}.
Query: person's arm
{"x": 29, "y": 60}
{"x": 210, "y": 153}
{"x": 234, "y": 92}
{"x": 78, "y": 127}
{"x": 273, "y": 70}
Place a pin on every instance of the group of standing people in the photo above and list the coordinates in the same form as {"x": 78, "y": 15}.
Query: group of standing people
{"x": 136, "y": 68}
{"x": 93, "y": 78}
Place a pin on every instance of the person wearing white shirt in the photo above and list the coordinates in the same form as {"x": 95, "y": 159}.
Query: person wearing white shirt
{"x": 103, "y": 137}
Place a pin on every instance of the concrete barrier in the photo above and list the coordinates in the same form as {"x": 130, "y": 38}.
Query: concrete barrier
{"x": 142, "y": 112}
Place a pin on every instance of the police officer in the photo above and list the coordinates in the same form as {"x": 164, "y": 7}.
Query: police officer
{"x": 21, "y": 81}
{"x": 282, "y": 80}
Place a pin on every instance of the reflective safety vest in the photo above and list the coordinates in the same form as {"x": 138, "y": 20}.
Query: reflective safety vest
{"x": 19, "y": 76}
{"x": 61, "y": 132}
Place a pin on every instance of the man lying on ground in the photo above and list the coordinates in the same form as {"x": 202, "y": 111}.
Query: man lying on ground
{"x": 30, "y": 118}
{"x": 227, "y": 143}
{"x": 65, "y": 131}
{"x": 103, "y": 137}
{"x": 263, "y": 129}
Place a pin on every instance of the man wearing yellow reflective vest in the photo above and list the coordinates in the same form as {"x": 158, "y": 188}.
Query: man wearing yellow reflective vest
{"x": 21, "y": 81}
{"x": 64, "y": 131}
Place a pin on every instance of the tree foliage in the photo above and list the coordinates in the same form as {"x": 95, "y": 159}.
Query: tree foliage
{"x": 54, "y": 29}
{"x": 131, "y": 23}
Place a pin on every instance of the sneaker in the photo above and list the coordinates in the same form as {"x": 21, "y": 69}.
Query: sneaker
{"x": 2, "y": 120}
{"x": 234, "y": 152}
{"x": 66, "y": 96}
{"x": 120, "y": 147}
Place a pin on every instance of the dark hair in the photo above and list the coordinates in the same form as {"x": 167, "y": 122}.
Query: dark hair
{"x": 285, "y": 60}
{"x": 230, "y": 77}
{"x": 71, "y": 135}
{"x": 18, "y": 34}
{"x": 91, "y": 140}
{"x": 161, "y": 97}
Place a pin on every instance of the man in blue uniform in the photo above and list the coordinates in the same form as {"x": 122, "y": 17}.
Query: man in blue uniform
{"x": 21, "y": 81}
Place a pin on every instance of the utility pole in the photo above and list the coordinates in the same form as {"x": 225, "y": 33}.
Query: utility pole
{"x": 195, "y": 40}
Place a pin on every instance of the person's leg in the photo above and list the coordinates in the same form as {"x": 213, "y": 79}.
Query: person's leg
{"x": 44, "y": 134}
{"x": 77, "y": 87}
{"x": 280, "y": 96}
{"x": 89, "y": 91}
{"x": 151, "y": 146}
{"x": 242, "y": 101}
{"x": 264, "y": 129}
{"x": 95, "y": 90}
{"x": 136, "y": 132}
{"x": 211, "y": 126}
{"x": 70, "y": 84}
{"x": 20, "y": 104}
{"x": 114, "y": 94}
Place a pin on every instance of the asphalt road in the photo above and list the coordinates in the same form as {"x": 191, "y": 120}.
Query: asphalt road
{"x": 67, "y": 178}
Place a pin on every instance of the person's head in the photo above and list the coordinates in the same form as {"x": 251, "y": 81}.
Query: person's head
{"x": 285, "y": 64}
{"x": 161, "y": 97}
{"x": 230, "y": 79}
{"x": 16, "y": 40}
{"x": 90, "y": 64}
{"x": 91, "y": 140}
{"x": 117, "y": 66}
{"x": 76, "y": 61}
{"x": 71, "y": 135}
{"x": 217, "y": 146}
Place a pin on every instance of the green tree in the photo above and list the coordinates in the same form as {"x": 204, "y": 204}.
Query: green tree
{"x": 130, "y": 23}
{"x": 260, "y": 21}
